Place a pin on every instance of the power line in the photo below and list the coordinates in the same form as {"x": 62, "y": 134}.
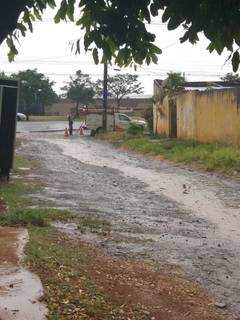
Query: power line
{"x": 150, "y": 74}
{"x": 49, "y": 60}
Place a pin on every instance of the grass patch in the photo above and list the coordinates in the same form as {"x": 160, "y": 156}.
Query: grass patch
{"x": 34, "y": 217}
{"x": 48, "y": 118}
{"x": 80, "y": 283}
{"x": 63, "y": 267}
{"x": 14, "y": 193}
{"x": 113, "y": 136}
{"x": 209, "y": 156}
{"x": 51, "y": 118}
{"x": 17, "y": 212}
{"x": 20, "y": 162}
{"x": 72, "y": 274}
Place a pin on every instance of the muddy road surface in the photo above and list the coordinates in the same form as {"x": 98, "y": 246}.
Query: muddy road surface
{"x": 20, "y": 290}
{"x": 187, "y": 221}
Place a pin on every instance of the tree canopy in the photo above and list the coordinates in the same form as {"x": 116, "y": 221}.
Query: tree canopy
{"x": 231, "y": 77}
{"x": 173, "y": 81}
{"x": 79, "y": 89}
{"x": 36, "y": 91}
{"x": 118, "y": 27}
{"x": 120, "y": 86}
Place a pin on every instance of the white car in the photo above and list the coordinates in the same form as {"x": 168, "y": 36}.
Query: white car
{"x": 119, "y": 121}
{"x": 139, "y": 122}
{"x": 21, "y": 117}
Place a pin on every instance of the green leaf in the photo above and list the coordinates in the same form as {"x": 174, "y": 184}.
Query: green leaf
{"x": 148, "y": 60}
{"x": 95, "y": 56}
{"x": 173, "y": 23}
{"x": 22, "y": 28}
{"x": 51, "y": 3}
{"x": 57, "y": 18}
{"x": 37, "y": 14}
{"x": 235, "y": 61}
{"x": 166, "y": 15}
{"x": 211, "y": 47}
{"x": 70, "y": 9}
{"x": 155, "y": 49}
{"x": 154, "y": 9}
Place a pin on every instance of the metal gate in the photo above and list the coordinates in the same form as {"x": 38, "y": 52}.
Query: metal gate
{"x": 8, "y": 115}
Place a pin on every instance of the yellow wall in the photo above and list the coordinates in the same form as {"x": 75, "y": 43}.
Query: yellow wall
{"x": 209, "y": 116}
{"x": 206, "y": 116}
{"x": 161, "y": 118}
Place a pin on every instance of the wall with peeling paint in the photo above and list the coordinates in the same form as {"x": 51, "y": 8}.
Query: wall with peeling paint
{"x": 161, "y": 118}
{"x": 206, "y": 116}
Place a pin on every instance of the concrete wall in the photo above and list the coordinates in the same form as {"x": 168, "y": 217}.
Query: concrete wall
{"x": 135, "y": 105}
{"x": 161, "y": 123}
{"x": 207, "y": 116}
{"x": 186, "y": 116}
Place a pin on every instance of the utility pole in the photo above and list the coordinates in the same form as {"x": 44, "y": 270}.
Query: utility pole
{"x": 105, "y": 96}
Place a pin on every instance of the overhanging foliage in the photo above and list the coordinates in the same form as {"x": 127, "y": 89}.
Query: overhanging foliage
{"x": 118, "y": 27}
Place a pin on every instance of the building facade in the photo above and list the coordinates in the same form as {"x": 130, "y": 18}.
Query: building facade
{"x": 205, "y": 115}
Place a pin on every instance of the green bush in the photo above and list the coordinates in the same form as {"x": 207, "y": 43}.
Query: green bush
{"x": 135, "y": 129}
{"x": 149, "y": 118}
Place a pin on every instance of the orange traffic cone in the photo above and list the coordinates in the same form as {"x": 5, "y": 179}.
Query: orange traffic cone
{"x": 81, "y": 131}
{"x": 66, "y": 132}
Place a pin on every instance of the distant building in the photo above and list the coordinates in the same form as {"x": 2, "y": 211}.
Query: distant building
{"x": 201, "y": 111}
{"x": 131, "y": 106}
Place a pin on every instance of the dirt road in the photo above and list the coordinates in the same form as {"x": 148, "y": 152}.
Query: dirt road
{"x": 186, "y": 220}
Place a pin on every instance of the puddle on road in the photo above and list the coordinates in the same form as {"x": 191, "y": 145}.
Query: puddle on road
{"x": 72, "y": 229}
{"x": 193, "y": 195}
{"x": 19, "y": 294}
{"x": 20, "y": 290}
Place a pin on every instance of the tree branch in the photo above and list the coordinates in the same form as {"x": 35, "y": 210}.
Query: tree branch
{"x": 9, "y": 16}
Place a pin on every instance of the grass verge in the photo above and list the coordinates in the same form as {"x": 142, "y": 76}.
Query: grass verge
{"x": 81, "y": 283}
{"x": 22, "y": 165}
{"x": 48, "y": 118}
{"x": 208, "y": 156}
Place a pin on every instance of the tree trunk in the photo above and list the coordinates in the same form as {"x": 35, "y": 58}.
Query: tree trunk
{"x": 118, "y": 104}
{"x": 77, "y": 106}
{"x": 27, "y": 109}
{"x": 43, "y": 109}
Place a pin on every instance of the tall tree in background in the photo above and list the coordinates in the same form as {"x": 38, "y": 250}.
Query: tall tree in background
{"x": 3, "y": 75}
{"x": 121, "y": 86}
{"x": 231, "y": 77}
{"x": 36, "y": 91}
{"x": 79, "y": 89}
{"x": 118, "y": 28}
{"x": 174, "y": 81}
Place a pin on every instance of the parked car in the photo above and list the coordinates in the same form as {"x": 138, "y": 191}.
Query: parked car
{"x": 117, "y": 122}
{"x": 21, "y": 117}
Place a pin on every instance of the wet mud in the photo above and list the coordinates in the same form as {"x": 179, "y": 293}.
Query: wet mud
{"x": 185, "y": 220}
{"x": 20, "y": 290}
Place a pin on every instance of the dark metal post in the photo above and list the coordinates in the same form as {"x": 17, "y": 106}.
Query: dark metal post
{"x": 105, "y": 96}
{"x": 8, "y": 114}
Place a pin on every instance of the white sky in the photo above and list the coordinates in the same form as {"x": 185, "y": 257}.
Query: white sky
{"x": 48, "y": 50}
